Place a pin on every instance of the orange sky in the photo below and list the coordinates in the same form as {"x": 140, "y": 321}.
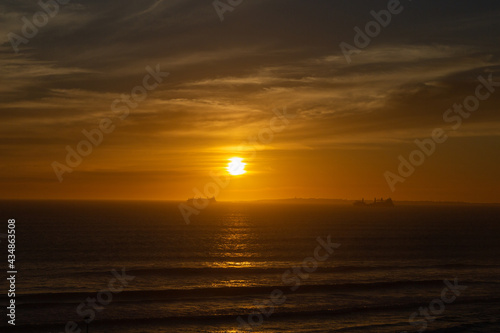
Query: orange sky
{"x": 346, "y": 126}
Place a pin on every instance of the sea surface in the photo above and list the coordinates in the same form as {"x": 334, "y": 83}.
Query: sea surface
{"x": 390, "y": 270}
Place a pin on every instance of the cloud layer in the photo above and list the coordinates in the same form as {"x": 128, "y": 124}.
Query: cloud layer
{"x": 225, "y": 80}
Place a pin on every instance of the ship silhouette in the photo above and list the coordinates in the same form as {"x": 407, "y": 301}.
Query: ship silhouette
{"x": 191, "y": 201}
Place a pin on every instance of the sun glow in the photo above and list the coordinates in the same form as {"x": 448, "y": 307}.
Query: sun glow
{"x": 236, "y": 166}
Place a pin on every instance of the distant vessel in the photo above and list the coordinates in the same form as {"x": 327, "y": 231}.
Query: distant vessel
{"x": 375, "y": 203}
{"x": 191, "y": 201}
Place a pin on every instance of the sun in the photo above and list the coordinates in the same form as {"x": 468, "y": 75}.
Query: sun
{"x": 236, "y": 167}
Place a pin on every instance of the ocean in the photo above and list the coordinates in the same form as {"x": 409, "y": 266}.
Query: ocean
{"x": 134, "y": 267}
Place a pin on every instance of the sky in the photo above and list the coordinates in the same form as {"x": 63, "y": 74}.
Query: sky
{"x": 266, "y": 81}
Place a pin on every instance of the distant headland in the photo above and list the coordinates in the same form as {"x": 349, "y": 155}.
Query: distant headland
{"x": 375, "y": 203}
{"x": 350, "y": 202}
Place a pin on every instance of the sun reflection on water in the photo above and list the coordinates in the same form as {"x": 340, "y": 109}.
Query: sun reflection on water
{"x": 236, "y": 239}
{"x": 234, "y": 264}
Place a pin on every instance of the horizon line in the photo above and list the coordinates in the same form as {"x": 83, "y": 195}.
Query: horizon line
{"x": 253, "y": 200}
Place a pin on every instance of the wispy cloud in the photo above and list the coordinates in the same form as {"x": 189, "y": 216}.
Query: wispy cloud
{"x": 226, "y": 78}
